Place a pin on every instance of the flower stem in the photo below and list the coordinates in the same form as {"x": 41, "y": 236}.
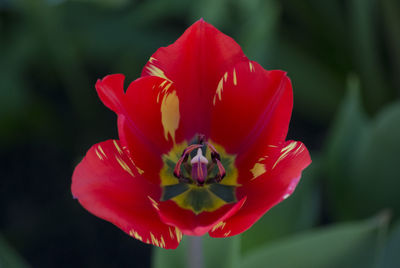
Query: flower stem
{"x": 195, "y": 256}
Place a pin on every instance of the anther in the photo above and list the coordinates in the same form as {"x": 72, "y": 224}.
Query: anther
{"x": 183, "y": 159}
{"x": 199, "y": 165}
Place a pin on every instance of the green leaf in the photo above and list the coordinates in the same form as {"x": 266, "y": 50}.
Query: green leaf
{"x": 298, "y": 212}
{"x": 376, "y": 168}
{"x": 343, "y": 140}
{"x": 342, "y": 245}
{"x": 257, "y": 32}
{"x": 391, "y": 21}
{"x": 317, "y": 86}
{"x": 218, "y": 252}
{"x": 363, "y": 22}
{"x": 9, "y": 257}
{"x": 362, "y": 159}
{"x": 106, "y": 3}
{"x": 390, "y": 257}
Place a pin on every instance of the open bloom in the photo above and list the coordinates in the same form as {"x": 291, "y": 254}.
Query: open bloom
{"x": 201, "y": 144}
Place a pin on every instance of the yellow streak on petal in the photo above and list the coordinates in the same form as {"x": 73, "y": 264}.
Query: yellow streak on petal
{"x": 221, "y": 225}
{"x": 262, "y": 158}
{"x": 154, "y": 240}
{"x": 234, "y": 77}
{"x": 258, "y": 170}
{"x": 152, "y": 59}
{"x": 251, "y": 66}
{"x": 124, "y": 165}
{"x": 135, "y": 234}
{"x": 225, "y": 76}
{"x": 171, "y": 234}
{"x": 118, "y": 148}
{"x": 167, "y": 86}
{"x": 139, "y": 170}
{"x": 285, "y": 151}
{"x": 227, "y": 233}
{"x": 218, "y": 92}
{"x": 155, "y": 71}
{"x": 101, "y": 150}
{"x": 147, "y": 241}
{"x": 98, "y": 154}
{"x": 170, "y": 114}
{"x": 163, "y": 83}
{"x": 178, "y": 234}
{"x": 153, "y": 202}
{"x": 162, "y": 243}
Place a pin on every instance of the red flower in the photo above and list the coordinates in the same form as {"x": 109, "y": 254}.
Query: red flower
{"x": 201, "y": 144}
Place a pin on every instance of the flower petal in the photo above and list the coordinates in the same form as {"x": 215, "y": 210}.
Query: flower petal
{"x": 107, "y": 183}
{"x": 148, "y": 118}
{"x": 192, "y": 224}
{"x": 195, "y": 63}
{"x": 274, "y": 178}
{"x": 252, "y": 109}
{"x": 111, "y": 90}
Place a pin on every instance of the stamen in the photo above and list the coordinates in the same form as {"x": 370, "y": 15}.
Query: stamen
{"x": 199, "y": 166}
{"x": 184, "y": 158}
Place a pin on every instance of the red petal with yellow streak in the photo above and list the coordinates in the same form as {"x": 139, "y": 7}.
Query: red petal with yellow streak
{"x": 148, "y": 118}
{"x": 195, "y": 63}
{"x": 107, "y": 184}
{"x": 273, "y": 178}
{"x": 252, "y": 109}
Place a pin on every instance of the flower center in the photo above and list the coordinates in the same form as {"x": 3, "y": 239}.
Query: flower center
{"x": 200, "y": 176}
{"x": 199, "y": 165}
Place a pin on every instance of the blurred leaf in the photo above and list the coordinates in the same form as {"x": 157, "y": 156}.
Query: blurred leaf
{"x": 343, "y": 140}
{"x": 391, "y": 19}
{"x": 390, "y": 257}
{"x": 298, "y": 212}
{"x": 363, "y": 16}
{"x": 218, "y": 252}
{"x": 375, "y": 176}
{"x": 316, "y": 85}
{"x": 257, "y": 33}
{"x": 9, "y": 257}
{"x": 362, "y": 159}
{"x": 105, "y": 3}
{"x": 342, "y": 245}
{"x": 215, "y": 12}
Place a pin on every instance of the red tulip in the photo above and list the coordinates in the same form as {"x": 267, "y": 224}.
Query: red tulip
{"x": 201, "y": 144}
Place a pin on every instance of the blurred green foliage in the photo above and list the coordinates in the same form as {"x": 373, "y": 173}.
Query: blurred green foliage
{"x": 343, "y": 58}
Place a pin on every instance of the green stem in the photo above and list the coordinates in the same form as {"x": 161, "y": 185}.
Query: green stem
{"x": 195, "y": 256}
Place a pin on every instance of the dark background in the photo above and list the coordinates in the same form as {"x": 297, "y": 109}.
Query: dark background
{"x": 343, "y": 58}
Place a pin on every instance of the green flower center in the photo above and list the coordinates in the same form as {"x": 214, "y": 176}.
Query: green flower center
{"x": 199, "y": 176}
